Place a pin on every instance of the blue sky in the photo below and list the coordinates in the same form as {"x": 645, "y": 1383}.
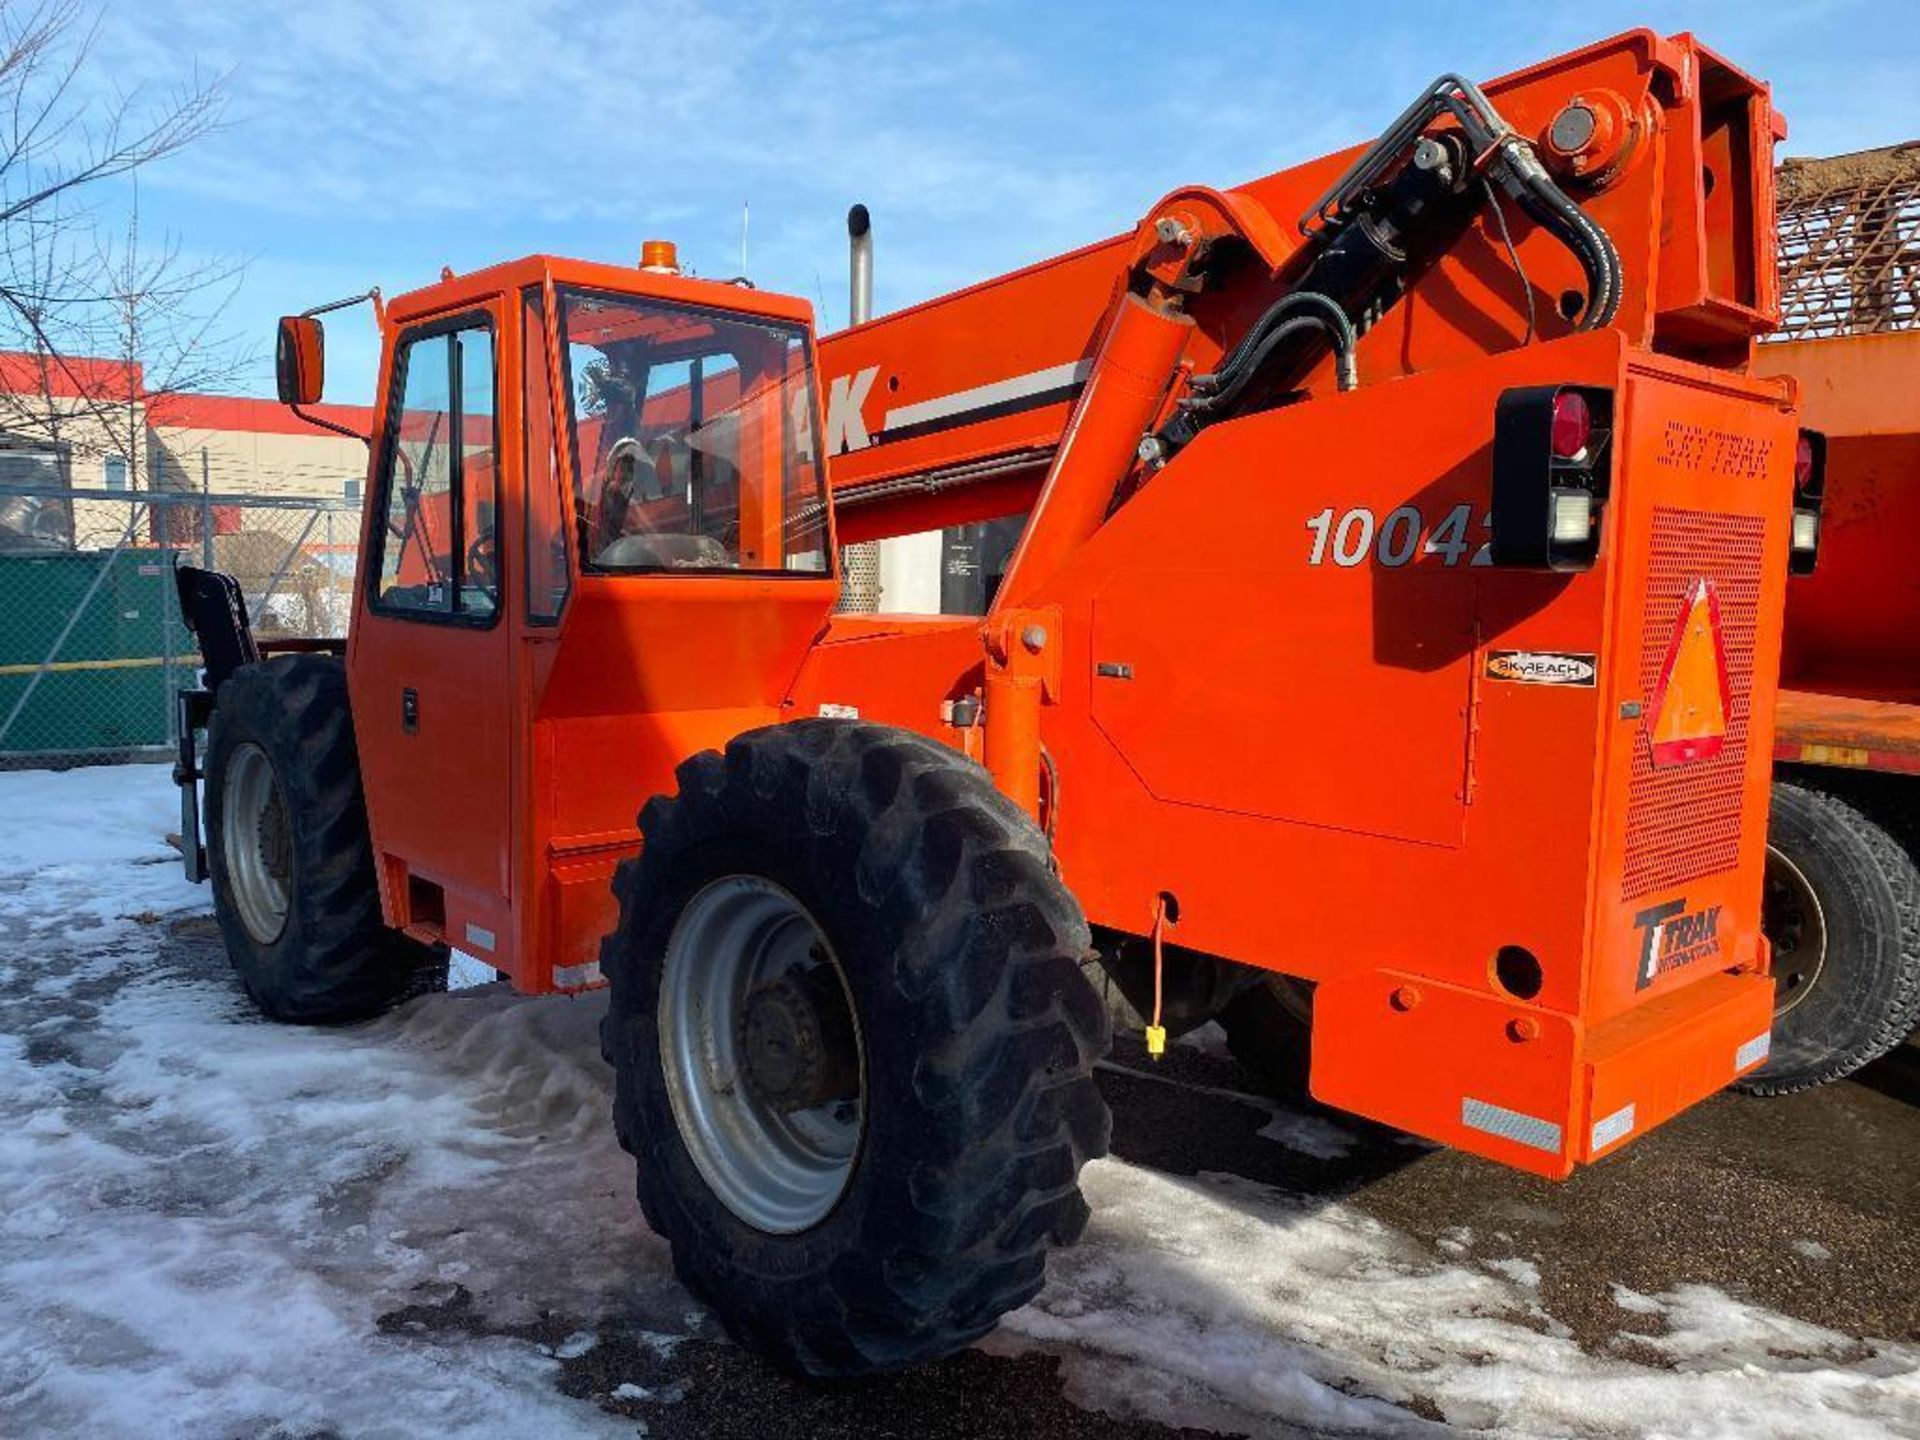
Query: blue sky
{"x": 372, "y": 143}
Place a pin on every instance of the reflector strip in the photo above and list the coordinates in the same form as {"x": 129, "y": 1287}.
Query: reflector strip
{"x": 577, "y": 977}
{"x": 1055, "y": 382}
{"x": 1510, "y": 1124}
{"x": 1616, "y": 1126}
{"x": 479, "y": 936}
{"x": 1754, "y": 1051}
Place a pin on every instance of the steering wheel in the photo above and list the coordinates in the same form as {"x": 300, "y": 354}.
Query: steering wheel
{"x": 483, "y": 561}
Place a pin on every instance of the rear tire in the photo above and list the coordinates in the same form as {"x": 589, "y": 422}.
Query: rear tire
{"x": 290, "y": 856}
{"x": 1269, "y": 1029}
{"x": 1843, "y": 915}
{"x": 973, "y": 1035}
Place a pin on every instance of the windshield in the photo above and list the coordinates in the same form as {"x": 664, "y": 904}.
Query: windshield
{"x": 692, "y": 438}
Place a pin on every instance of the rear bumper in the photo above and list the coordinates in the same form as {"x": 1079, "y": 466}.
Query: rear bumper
{"x": 1530, "y": 1088}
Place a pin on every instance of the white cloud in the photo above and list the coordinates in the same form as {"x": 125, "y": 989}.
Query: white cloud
{"x": 389, "y": 139}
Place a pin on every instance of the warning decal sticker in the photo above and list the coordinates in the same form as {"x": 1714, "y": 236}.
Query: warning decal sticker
{"x": 1687, "y": 716}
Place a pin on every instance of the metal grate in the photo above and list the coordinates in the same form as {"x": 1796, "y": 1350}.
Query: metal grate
{"x": 1684, "y": 821}
{"x": 1850, "y": 243}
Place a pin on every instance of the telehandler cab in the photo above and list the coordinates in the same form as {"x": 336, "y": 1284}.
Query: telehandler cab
{"x": 1397, "y": 608}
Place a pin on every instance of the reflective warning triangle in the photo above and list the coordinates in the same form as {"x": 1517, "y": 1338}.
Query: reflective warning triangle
{"x": 1687, "y": 718}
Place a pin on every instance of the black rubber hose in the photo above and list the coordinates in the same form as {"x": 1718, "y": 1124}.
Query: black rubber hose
{"x": 1602, "y": 262}
{"x": 1339, "y": 325}
{"x": 1219, "y": 390}
{"x": 1550, "y": 206}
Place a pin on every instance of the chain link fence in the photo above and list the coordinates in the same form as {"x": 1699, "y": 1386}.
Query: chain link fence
{"x": 92, "y": 647}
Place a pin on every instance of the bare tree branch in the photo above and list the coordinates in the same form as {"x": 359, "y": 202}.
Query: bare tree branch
{"x": 114, "y": 323}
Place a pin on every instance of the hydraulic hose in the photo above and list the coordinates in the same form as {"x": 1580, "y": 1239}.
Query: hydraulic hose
{"x": 1526, "y": 179}
{"x": 1245, "y": 360}
{"x": 1219, "y": 390}
{"x": 1406, "y": 201}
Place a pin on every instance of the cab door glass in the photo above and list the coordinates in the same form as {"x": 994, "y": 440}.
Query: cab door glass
{"x": 548, "y": 579}
{"x": 439, "y": 555}
{"x": 479, "y": 478}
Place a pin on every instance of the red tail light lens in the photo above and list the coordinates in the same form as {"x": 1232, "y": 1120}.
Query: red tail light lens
{"x": 1803, "y": 461}
{"x": 1572, "y": 425}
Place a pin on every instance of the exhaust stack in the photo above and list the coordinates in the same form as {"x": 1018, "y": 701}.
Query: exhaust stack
{"x": 859, "y": 266}
{"x": 859, "y": 564}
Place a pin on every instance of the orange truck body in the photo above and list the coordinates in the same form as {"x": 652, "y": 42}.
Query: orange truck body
{"x": 1270, "y": 691}
{"x": 1850, "y": 670}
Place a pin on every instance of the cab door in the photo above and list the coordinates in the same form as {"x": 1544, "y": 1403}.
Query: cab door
{"x": 430, "y": 657}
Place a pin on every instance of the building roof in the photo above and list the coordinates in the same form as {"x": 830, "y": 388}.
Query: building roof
{"x": 92, "y": 378}
{"x": 69, "y": 377}
{"x": 238, "y": 413}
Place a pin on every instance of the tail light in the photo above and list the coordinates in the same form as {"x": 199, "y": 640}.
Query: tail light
{"x": 1552, "y": 456}
{"x": 1809, "y": 489}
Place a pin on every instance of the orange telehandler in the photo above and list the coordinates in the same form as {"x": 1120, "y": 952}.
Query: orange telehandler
{"x": 1843, "y": 873}
{"x": 1397, "y": 607}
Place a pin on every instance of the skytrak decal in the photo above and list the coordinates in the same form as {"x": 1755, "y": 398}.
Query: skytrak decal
{"x": 1544, "y": 667}
{"x": 1671, "y": 936}
{"x": 1687, "y": 713}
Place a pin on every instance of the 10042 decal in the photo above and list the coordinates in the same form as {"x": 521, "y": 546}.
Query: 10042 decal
{"x": 1352, "y": 537}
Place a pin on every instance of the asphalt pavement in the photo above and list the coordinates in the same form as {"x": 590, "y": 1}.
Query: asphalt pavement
{"x": 1806, "y": 1205}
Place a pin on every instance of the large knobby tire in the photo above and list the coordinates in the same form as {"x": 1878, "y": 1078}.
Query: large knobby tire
{"x": 1843, "y": 915}
{"x": 289, "y": 854}
{"x": 916, "y": 904}
{"x": 1269, "y": 1029}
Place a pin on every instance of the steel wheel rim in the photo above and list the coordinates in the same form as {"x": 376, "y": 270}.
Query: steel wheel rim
{"x": 1796, "y": 926}
{"x": 780, "y": 1173}
{"x": 257, "y": 843}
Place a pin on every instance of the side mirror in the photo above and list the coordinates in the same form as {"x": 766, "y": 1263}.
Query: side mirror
{"x": 300, "y": 360}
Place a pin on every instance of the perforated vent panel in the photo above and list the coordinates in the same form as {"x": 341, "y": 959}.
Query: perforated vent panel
{"x": 1683, "y": 821}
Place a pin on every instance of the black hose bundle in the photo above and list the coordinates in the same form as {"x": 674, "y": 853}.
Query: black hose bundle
{"x": 1219, "y": 390}
{"x": 1526, "y": 179}
{"x": 1407, "y": 199}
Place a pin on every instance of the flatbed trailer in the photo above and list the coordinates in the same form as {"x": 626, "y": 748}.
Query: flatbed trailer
{"x": 1843, "y": 888}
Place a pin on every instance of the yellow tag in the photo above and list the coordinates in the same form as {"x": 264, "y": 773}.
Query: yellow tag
{"x": 1156, "y": 1040}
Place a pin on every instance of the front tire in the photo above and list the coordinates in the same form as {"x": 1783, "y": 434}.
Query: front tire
{"x": 1842, "y": 913}
{"x": 290, "y": 856}
{"x": 852, "y": 1043}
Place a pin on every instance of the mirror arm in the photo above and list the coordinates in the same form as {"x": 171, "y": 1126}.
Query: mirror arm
{"x": 331, "y": 305}
{"x": 347, "y": 430}
{"x": 373, "y": 295}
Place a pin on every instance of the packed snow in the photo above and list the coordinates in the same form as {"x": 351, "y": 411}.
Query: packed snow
{"x": 204, "y": 1218}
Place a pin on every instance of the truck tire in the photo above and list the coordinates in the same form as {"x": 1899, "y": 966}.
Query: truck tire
{"x": 289, "y": 854}
{"x": 1270, "y": 1030}
{"x": 852, "y": 1044}
{"x": 1843, "y": 915}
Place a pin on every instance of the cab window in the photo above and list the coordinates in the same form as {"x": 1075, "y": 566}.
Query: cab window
{"x": 692, "y": 439}
{"x": 438, "y": 549}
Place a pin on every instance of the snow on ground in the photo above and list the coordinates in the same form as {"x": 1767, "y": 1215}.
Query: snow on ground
{"x": 1218, "y": 1299}
{"x": 203, "y": 1218}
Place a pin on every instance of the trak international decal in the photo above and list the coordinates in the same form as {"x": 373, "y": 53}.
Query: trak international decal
{"x": 1544, "y": 667}
{"x": 1672, "y": 936}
